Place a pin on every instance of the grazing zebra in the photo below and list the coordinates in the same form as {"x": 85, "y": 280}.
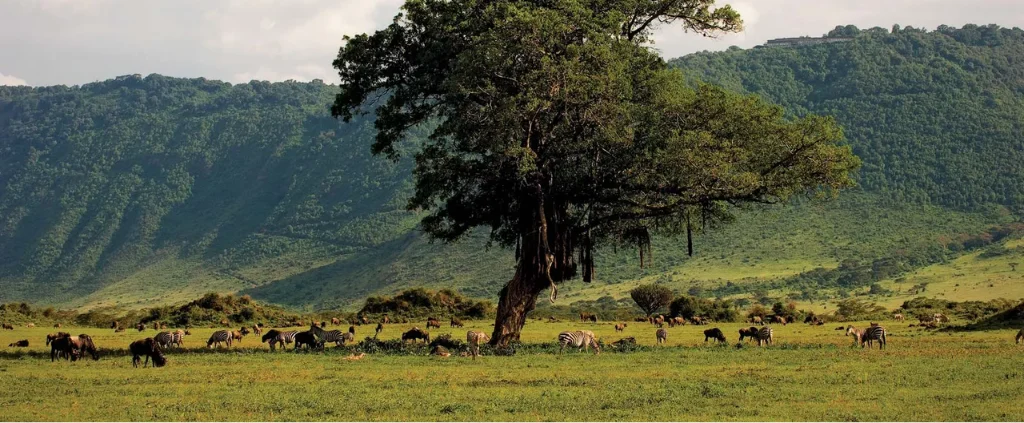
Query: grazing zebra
{"x": 164, "y": 339}
{"x": 474, "y": 338}
{"x": 766, "y": 335}
{"x": 218, "y": 337}
{"x": 662, "y": 335}
{"x": 335, "y": 336}
{"x": 872, "y": 333}
{"x": 275, "y": 336}
{"x": 178, "y": 337}
{"x": 582, "y": 339}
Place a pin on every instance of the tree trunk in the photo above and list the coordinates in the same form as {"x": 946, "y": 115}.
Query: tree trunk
{"x": 518, "y": 298}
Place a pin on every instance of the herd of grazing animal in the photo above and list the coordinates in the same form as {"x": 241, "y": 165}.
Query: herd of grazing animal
{"x": 66, "y": 346}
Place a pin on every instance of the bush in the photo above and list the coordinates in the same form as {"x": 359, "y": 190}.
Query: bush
{"x": 716, "y": 310}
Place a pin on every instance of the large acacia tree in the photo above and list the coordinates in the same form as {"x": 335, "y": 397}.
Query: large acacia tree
{"x": 556, "y": 125}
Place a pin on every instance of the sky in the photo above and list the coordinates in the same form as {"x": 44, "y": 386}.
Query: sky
{"x": 70, "y": 42}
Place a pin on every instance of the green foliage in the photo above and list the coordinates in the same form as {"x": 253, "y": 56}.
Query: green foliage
{"x": 855, "y": 309}
{"x": 651, "y": 298}
{"x": 716, "y": 310}
{"x": 421, "y": 303}
{"x": 966, "y": 310}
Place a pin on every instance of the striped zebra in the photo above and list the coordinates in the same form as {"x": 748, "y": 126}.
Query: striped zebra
{"x": 178, "y": 338}
{"x": 335, "y": 336}
{"x": 474, "y": 338}
{"x": 274, "y": 337}
{"x": 662, "y": 335}
{"x": 582, "y": 339}
{"x": 218, "y": 337}
{"x": 766, "y": 335}
{"x": 872, "y": 333}
{"x": 164, "y": 339}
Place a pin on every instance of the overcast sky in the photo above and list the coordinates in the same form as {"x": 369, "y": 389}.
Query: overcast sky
{"x": 48, "y": 42}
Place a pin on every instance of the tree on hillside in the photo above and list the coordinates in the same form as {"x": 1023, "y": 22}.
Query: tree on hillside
{"x": 558, "y": 127}
{"x": 651, "y": 297}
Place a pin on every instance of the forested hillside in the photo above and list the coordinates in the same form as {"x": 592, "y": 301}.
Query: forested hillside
{"x": 153, "y": 190}
{"x": 937, "y": 116}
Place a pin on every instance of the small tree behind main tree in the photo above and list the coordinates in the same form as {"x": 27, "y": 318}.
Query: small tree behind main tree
{"x": 651, "y": 298}
{"x": 556, "y": 125}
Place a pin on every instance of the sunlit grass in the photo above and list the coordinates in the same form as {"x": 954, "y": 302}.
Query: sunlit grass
{"x": 812, "y": 373}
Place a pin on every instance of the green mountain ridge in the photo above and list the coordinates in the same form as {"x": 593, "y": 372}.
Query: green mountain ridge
{"x": 139, "y": 191}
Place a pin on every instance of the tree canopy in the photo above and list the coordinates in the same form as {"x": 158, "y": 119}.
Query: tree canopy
{"x": 650, "y": 298}
{"x": 559, "y": 128}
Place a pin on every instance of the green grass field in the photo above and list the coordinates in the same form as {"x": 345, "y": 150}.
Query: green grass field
{"x": 811, "y": 373}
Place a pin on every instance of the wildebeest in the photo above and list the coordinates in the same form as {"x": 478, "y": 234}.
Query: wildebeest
{"x": 750, "y": 332}
{"x": 659, "y": 321}
{"x": 385, "y": 320}
{"x": 363, "y": 320}
{"x": 456, "y": 323}
{"x": 677, "y": 321}
{"x": 641, "y": 319}
{"x": 433, "y": 323}
{"x": 274, "y": 337}
{"x": 308, "y": 340}
{"x": 237, "y": 335}
{"x": 257, "y": 330}
{"x": 72, "y": 347}
{"x": 898, "y": 317}
{"x": 149, "y": 348}
{"x": 662, "y": 335}
{"x": 56, "y": 325}
{"x": 21, "y": 344}
{"x": 619, "y": 327}
{"x": 243, "y": 330}
{"x": 714, "y": 333}
{"x": 416, "y": 333}
{"x": 380, "y": 328}
{"x": 140, "y": 327}
{"x": 8, "y": 326}
{"x": 335, "y": 321}
{"x": 114, "y": 324}
{"x": 30, "y": 325}
{"x": 697, "y": 320}
{"x": 1020, "y": 336}
{"x": 778, "y": 319}
{"x": 756, "y": 320}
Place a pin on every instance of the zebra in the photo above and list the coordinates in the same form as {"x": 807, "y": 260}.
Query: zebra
{"x": 662, "y": 335}
{"x": 872, "y": 333}
{"x": 335, "y": 336}
{"x": 766, "y": 334}
{"x": 178, "y": 337}
{"x": 164, "y": 339}
{"x": 275, "y": 336}
{"x": 582, "y": 339}
{"x": 474, "y": 338}
{"x": 220, "y": 336}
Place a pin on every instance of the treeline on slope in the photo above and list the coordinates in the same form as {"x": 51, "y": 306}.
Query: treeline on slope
{"x": 417, "y": 303}
{"x": 936, "y": 116}
{"x": 851, "y": 275}
{"x": 99, "y": 179}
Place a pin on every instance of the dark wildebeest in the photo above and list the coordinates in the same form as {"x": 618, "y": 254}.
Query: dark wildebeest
{"x": 757, "y": 320}
{"x": 593, "y": 318}
{"x": 380, "y": 328}
{"x": 416, "y": 333}
{"x": 456, "y": 323}
{"x": 56, "y": 325}
{"x": 714, "y": 333}
{"x": 22, "y": 343}
{"x": 8, "y": 326}
{"x": 244, "y": 330}
{"x": 140, "y": 327}
{"x": 72, "y": 347}
{"x": 619, "y": 327}
{"x": 308, "y": 340}
{"x": 335, "y": 321}
{"x": 750, "y": 332}
{"x": 433, "y": 323}
{"x": 114, "y": 324}
{"x": 149, "y": 348}
{"x": 778, "y": 319}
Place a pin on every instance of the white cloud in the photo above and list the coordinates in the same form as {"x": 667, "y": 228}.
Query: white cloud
{"x": 11, "y": 80}
{"x": 79, "y": 41}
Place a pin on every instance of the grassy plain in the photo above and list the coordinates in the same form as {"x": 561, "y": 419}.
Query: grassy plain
{"x": 811, "y": 373}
